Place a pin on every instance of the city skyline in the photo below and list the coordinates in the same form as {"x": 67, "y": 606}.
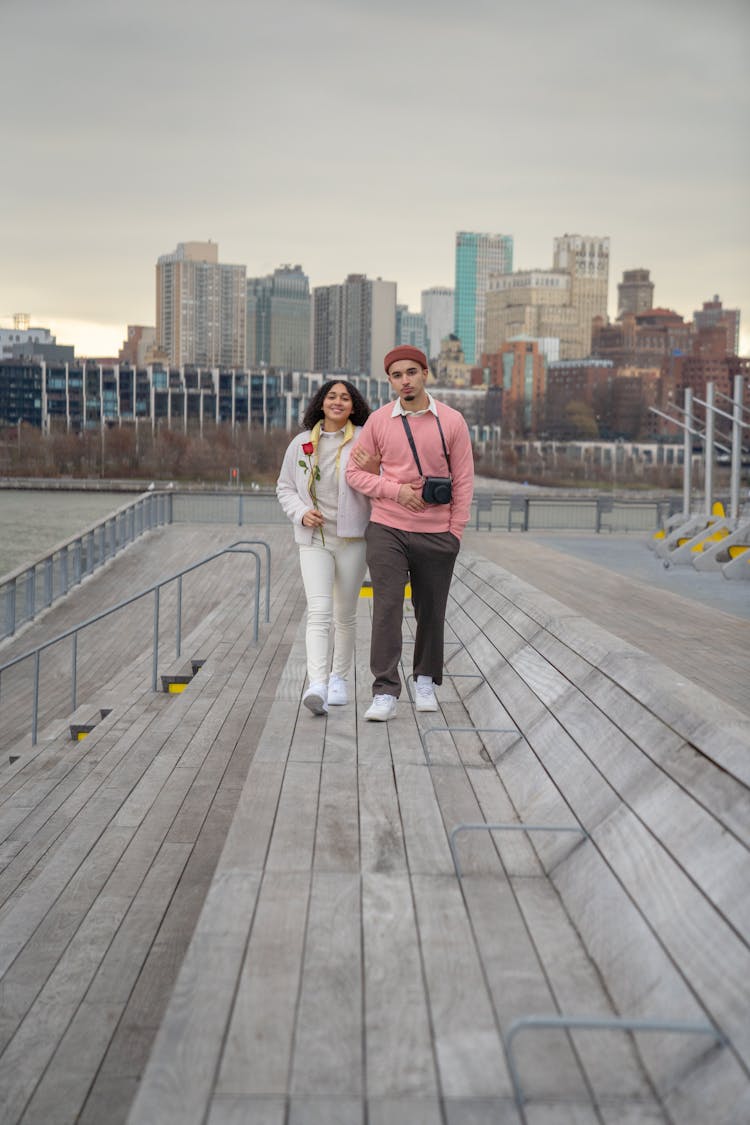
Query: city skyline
{"x": 277, "y": 134}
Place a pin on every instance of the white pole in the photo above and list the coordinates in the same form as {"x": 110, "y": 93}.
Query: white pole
{"x": 734, "y": 493}
{"x": 687, "y": 454}
{"x": 708, "y": 450}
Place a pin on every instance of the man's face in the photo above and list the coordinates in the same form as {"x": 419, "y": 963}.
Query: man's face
{"x": 408, "y": 380}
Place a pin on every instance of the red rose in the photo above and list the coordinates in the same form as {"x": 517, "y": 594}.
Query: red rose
{"x": 308, "y": 448}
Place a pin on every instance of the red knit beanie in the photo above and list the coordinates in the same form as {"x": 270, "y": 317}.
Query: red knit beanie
{"x": 405, "y": 351}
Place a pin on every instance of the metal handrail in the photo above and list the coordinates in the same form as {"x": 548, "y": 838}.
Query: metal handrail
{"x": 243, "y": 546}
{"x": 76, "y": 558}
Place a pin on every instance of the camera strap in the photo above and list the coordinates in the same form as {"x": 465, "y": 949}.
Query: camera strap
{"x": 410, "y": 436}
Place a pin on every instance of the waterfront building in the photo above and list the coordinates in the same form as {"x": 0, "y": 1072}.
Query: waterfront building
{"x": 411, "y": 329}
{"x": 278, "y": 320}
{"x": 713, "y": 314}
{"x": 635, "y": 293}
{"x": 200, "y": 307}
{"x": 478, "y": 256}
{"x": 354, "y": 325}
{"x": 438, "y": 310}
{"x": 90, "y": 395}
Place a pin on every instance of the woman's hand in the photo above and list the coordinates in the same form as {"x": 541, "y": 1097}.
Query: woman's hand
{"x": 369, "y": 462}
{"x": 312, "y": 518}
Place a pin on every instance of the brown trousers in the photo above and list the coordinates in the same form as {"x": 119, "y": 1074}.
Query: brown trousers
{"x": 395, "y": 557}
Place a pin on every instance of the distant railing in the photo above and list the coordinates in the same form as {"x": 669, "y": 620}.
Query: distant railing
{"x": 492, "y": 513}
{"x": 25, "y": 592}
{"x": 567, "y": 513}
{"x": 28, "y": 590}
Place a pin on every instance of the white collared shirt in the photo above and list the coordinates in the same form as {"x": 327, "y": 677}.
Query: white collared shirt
{"x": 398, "y": 408}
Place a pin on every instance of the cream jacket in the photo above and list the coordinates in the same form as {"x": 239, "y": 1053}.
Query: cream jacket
{"x": 292, "y": 489}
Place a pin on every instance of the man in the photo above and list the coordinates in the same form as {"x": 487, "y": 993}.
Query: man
{"x": 410, "y": 538}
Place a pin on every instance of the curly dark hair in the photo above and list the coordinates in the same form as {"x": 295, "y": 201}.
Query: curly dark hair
{"x": 360, "y": 410}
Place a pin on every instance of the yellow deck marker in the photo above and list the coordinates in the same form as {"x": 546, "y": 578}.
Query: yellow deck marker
{"x": 366, "y": 590}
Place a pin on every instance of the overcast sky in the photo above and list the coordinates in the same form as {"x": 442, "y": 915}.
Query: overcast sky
{"x": 357, "y": 136}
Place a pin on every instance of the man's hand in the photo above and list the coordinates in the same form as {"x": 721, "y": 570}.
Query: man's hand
{"x": 312, "y": 518}
{"x": 410, "y": 496}
{"x": 370, "y": 462}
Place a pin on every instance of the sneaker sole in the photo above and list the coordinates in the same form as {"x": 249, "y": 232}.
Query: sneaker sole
{"x": 426, "y": 707}
{"x": 315, "y": 704}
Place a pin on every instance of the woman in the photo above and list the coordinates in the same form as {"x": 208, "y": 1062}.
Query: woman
{"x": 329, "y": 524}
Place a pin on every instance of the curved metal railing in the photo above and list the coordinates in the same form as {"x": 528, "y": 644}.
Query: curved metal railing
{"x": 243, "y": 546}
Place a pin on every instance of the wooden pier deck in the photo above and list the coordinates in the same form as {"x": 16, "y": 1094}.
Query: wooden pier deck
{"x": 219, "y": 908}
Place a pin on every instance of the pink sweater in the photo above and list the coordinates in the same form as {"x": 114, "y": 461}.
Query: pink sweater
{"x": 384, "y": 434}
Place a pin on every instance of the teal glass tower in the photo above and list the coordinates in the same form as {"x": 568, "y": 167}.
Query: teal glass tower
{"x": 477, "y": 256}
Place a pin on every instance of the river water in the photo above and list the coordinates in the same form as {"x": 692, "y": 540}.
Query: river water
{"x": 32, "y": 522}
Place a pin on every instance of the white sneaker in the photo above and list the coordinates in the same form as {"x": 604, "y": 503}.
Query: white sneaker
{"x": 338, "y": 694}
{"x": 316, "y": 699}
{"x": 382, "y": 708}
{"x": 425, "y": 695}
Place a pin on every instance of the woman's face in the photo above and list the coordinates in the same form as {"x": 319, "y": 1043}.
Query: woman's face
{"x": 337, "y": 406}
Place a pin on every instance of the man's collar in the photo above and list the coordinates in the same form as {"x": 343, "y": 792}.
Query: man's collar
{"x": 398, "y": 408}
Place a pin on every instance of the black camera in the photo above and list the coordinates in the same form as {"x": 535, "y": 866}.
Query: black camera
{"x": 437, "y": 490}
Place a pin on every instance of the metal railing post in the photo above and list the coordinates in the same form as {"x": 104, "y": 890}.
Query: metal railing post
{"x": 35, "y": 706}
{"x": 179, "y": 616}
{"x": 64, "y": 571}
{"x": 155, "y": 660}
{"x": 30, "y": 593}
{"x": 48, "y": 581}
{"x": 74, "y": 674}
{"x": 10, "y": 608}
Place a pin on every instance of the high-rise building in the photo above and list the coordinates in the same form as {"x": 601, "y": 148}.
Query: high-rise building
{"x": 438, "y": 310}
{"x": 635, "y": 293}
{"x": 354, "y": 325}
{"x": 477, "y": 257}
{"x": 585, "y": 258}
{"x": 411, "y": 328}
{"x": 552, "y": 304}
{"x": 278, "y": 319}
{"x": 200, "y": 307}
{"x": 713, "y": 314}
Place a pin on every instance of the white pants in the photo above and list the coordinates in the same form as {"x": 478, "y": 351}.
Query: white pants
{"x": 332, "y": 577}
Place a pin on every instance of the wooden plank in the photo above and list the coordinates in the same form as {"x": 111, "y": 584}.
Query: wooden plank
{"x": 337, "y": 830}
{"x": 399, "y": 1057}
{"x": 176, "y": 1088}
{"x": 467, "y": 1044}
{"x": 328, "y": 1048}
{"x": 246, "y": 1110}
{"x": 326, "y": 1111}
{"x": 404, "y": 1111}
{"x": 291, "y": 847}
{"x": 258, "y": 1048}
{"x": 519, "y": 985}
{"x": 381, "y": 832}
{"x": 66, "y": 1081}
{"x": 611, "y": 1064}
{"x": 424, "y": 832}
